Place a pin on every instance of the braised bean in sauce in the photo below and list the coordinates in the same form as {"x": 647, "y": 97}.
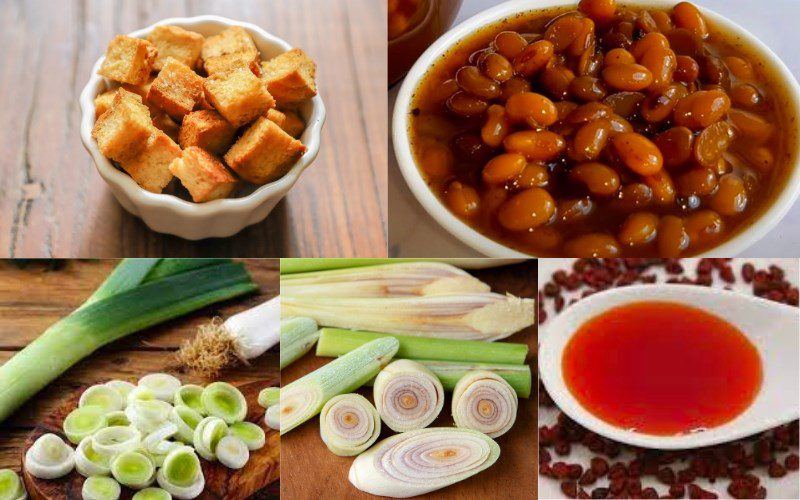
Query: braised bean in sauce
{"x": 605, "y": 130}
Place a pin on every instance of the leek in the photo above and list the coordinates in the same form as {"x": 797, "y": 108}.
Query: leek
{"x": 269, "y": 396}
{"x": 252, "y": 435}
{"x": 100, "y": 488}
{"x": 225, "y": 401}
{"x": 152, "y": 494}
{"x": 49, "y": 458}
{"x": 11, "y": 486}
{"x": 470, "y": 316}
{"x": 334, "y": 342}
{"x": 232, "y": 452}
{"x": 107, "y": 319}
{"x": 133, "y": 469}
{"x": 298, "y": 335}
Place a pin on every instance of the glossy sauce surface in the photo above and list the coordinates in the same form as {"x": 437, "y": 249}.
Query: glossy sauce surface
{"x": 662, "y": 368}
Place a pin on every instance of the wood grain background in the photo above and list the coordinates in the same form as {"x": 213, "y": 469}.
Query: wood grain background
{"x": 53, "y": 202}
{"x": 311, "y": 471}
{"x": 35, "y": 296}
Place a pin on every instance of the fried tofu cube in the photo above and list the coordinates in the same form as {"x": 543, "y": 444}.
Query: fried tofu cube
{"x": 203, "y": 175}
{"x": 278, "y": 117}
{"x": 128, "y": 60}
{"x": 178, "y": 43}
{"x": 290, "y": 77}
{"x": 142, "y": 89}
{"x": 122, "y": 131}
{"x": 293, "y": 124}
{"x": 208, "y": 130}
{"x": 102, "y": 103}
{"x": 239, "y": 96}
{"x": 177, "y": 89}
{"x": 264, "y": 152}
{"x": 228, "y": 62}
{"x": 150, "y": 168}
{"x": 164, "y": 123}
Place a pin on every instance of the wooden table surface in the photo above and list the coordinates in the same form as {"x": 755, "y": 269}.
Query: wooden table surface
{"x": 34, "y": 297}
{"x": 311, "y": 471}
{"x": 54, "y": 203}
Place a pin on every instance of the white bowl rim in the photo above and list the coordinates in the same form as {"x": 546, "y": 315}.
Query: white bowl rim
{"x": 241, "y": 205}
{"x": 746, "y": 237}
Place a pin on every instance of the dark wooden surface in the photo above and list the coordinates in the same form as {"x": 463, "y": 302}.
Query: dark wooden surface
{"x": 34, "y": 296}
{"x": 54, "y": 203}
{"x": 311, "y": 471}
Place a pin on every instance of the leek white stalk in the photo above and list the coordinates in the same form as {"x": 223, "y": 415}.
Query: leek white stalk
{"x": 152, "y": 494}
{"x": 418, "y": 462}
{"x": 84, "y": 421}
{"x": 388, "y": 280}
{"x": 305, "y": 397}
{"x": 484, "y": 402}
{"x": 140, "y": 393}
{"x": 49, "y": 458}
{"x": 133, "y": 469}
{"x": 181, "y": 474}
{"x": 189, "y": 395}
{"x": 117, "y": 418}
{"x": 241, "y": 338}
{"x": 186, "y": 419}
{"x": 88, "y": 462}
{"x": 252, "y": 435}
{"x": 225, "y": 401}
{"x": 232, "y": 452}
{"x": 113, "y": 441}
{"x": 207, "y": 435}
{"x": 100, "y": 488}
{"x": 272, "y": 418}
{"x": 11, "y": 486}
{"x": 104, "y": 396}
{"x": 349, "y": 424}
{"x": 163, "y": 385}
{"x": 122, "y": 387}
{"x": 148, "y": 415}
{"x": 476, "y": 316}
{"x": 298, "y": 336}
{"x": 407, "y": 395}
{"x": 269, "y": 396}
{"x": 156, "y": 442}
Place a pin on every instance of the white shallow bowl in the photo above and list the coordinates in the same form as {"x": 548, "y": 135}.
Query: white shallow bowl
{"x": 778, "y": 207}
{"x": 169, "y": 214}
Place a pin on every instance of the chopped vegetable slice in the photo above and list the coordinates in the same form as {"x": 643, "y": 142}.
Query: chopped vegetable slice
{"x": 49, "y": 458}
{"x": 88, "y": 462}
{"x": 252, "y": 435}
{"x": 84, "y": 421}
{"x": 189, "y": 395}
{"x": 152, "y": 494}
{"x": 225, "y": 401}
{"x": 349, "y": 424}
{"x": 407, "y": 395}
{"x": 104, "y": 396}
{"x": 232, "y": 452}
{"x": 11, "y": 486}
{"x": 269, "y": 396}
{"x": 163, "y": 385}
{"x": 133, "y": 469}
{"x": 483, "y": 401}
{"x": 100, "y": 488}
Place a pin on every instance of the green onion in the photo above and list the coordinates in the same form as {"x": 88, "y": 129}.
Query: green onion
{"x": 269, "y": 396}
{"x": 108, "y": 319}
{"x": 152, "y": 494}
{"x": 101, "y": 488}
{"x": 298, "y": 335}
{"x": 251, "y": 434}
{"x": 225, "y": 401}
{"x": 189, "y": 396}
{"x": 84, "y": 421}
{"x": 11, "y": 486}
{"x": 133, "y": 469}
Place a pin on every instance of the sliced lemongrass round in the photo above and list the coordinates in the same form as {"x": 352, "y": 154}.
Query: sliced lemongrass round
{"x": 418, "y": 462}
{"x": 140, "y": 393}
{"x": 163, "y": 385}
{"x": 84, "y": 421}
{"x": 103, "y": 396}
{"x": 207, "y": 435}
{"x": 148, "y": 415}
{"x": 186, "y": 419}
{"x": 181, "y": 474}
{"x": 133, "y": 469}
{"x": 49, "y": 458}
{"x": 11, "y": 486}
{"x": 189, "y": 395}
{"x": 88, "y": 462}
{"x": 152, "y": 494}
{"x": 115, "y": 440}
{"x": 269, "y": 396}
{"x": 152, "y": 442}
{"x": 407, "y": 395}
{"x": 252, "y": 435}
{"x": 232, "y": 452}
{"x": 349, "y": 424}
{"x": 122, "y": 387}
{"x": 225, "y": 401}
{"x": 101, "y": 488}
{"x": 484, "y": 402}
{"x": 116, "y": 418}
{"x": 272, "y": 418}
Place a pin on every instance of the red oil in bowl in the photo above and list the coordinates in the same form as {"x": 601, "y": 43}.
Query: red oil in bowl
{"x": 661, "y": 368}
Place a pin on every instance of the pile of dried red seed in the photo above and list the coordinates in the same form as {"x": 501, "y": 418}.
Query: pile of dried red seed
{"x": 775, "y": 450}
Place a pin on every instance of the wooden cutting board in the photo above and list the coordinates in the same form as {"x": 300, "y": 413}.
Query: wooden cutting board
{"x": 311, "y": 471}
{"x": 221, "y": 482}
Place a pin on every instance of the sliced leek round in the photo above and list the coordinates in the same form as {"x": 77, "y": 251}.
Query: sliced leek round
{"x": 407, "y": 395}
{"x": 101, "y": 488}
{"x": 189, "y": 395}
{"x": 252, "y": 435}
{"x": 49, "y": 458}
{"x": 349, "y": 424}
{"x": 140, "y": 393}
{"x": 115, "y": 440}
{"x": 155, "y": 441}
{"x": 148, "y": 415}
{"x": 272, "y": 418}
{"x": 104, "y": 396}
{"x": 133, "y": 469}
{"x": 163, "y": 385}
{"x": 116, "y": 418}
{"x": 186, "y": 419}
{"x": 269, "y": 396}
{"x": 152, "y": 494}
{"x": 11, "y": 486}
{"x": 225, "y": 401}
{"x": 122, "y": 387}
{"x": 181, "y": 474}
{"x": 84, "y": 421}
{"x": 207, "y": 435}
{"x": 485, "y": 402}
{"x": 88, "y": 462}
{"x": 232, "y": 452}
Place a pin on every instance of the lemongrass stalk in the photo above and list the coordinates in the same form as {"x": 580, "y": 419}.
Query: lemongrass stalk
{"x": 11, "y": 486}
{"x": 298, "y": 335}
{"x": 476, "y": 316}
{"x": 484, "y": 402}
{"x": 418, "y": 462}
{"x": 269, "y": 396}
{"x": 334, "y": 342}
{"x": 450, "y": 372}
{"x": 99, "y": 323}
{"x": 388, "y": 280}
{"x": 407, "y": 395}
{"x": 304, "y": 265}
{"x": 349, "y": 424}
{"x": 305, "y": 397}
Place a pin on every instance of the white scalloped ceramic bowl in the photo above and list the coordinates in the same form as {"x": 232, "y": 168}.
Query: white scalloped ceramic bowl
{"x": 746, "y": 237}
{"x": 169, "y": 214}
